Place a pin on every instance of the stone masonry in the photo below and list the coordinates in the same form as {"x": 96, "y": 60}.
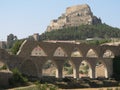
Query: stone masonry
{"x": 33, "y": 55}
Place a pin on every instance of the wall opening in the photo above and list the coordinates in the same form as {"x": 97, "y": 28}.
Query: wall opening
{"x": 67, "y": 69}
{"x": 91, "y": 53}
{"x": 85, "y": 69}
{"x": 49, "y": 69}
{"x": 76, "y": 53}
{"x": 38, "y": 51}
{"x": 108, "y": 54}
{"x": 3, "y": 66}
{"x": 59, "y": 52}
{"x": 100, "y": 70}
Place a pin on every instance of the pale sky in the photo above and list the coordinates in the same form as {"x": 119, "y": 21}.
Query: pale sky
{"x": 26, "y": 17}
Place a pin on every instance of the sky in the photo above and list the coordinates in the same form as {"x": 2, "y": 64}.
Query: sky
{"x": 26, "y": 17}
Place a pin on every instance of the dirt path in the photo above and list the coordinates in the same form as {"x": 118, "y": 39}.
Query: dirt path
{"x": 107, "y": 88}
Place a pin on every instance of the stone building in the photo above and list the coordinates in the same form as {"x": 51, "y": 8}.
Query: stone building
{"x": 34, "y": 37}
{"x": 74, "y": 16}
{"x": 3, "y": 44}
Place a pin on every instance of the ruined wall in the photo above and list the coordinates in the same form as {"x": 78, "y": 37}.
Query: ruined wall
{"x": 74, "y": 16}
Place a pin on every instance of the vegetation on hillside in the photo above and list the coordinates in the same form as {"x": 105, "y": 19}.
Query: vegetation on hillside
{"x": 82, "y": 32}
{"x": 96, "y": 42}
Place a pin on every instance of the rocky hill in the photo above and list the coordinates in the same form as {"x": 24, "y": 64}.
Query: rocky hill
{"x": 74, "y": 16}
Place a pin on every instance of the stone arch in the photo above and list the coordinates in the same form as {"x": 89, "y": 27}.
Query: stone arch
{"x": 101, "y": 69}
{"x": 89, "y": 71}
{"x": 29, "y": 68}
{"x": 68, "y": 69}
{"x": 49, "y": 68}
{"x": 60, "y": 52}
{"x": 92, "y": 53}
{"x": 76, "y": 53}
{"x": 38, "y": 51}
{"x": 108, "y": 54}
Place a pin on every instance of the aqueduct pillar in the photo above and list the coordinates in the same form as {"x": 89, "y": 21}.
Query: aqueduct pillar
{"x": 59, "y": 67}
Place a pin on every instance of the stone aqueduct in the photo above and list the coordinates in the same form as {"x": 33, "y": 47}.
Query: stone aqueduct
{"x": 32, "y": 56}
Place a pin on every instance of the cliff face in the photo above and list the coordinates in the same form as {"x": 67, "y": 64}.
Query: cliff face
{"x": 74, "y": 16}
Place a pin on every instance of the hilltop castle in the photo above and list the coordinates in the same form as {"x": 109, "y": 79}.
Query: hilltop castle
{"x": 74, "y": 16}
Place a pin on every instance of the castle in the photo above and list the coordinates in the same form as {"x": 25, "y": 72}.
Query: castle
{"x": 74, "y": 16}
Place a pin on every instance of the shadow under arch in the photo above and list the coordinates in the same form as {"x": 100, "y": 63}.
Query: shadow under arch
{"x": 49, "y": 68}
{"x": 4, "y": 65}
{"x": 108, "y": 54}
{"x": 85, "y": 69}
{"x": 101, "y": 69}
{"x": 29, "y": 68}
{"x": 91, "y": 53}
{"x": 60, "y": 52}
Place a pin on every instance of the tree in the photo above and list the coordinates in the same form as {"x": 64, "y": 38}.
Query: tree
{"x": 82, "y": 32}
{"x": 16, "y": 46}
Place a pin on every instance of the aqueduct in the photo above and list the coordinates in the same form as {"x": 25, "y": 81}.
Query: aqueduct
{"x": 32, "y": 56}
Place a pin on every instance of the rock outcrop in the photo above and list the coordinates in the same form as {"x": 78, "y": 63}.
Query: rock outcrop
{"x": 74, "y": 16}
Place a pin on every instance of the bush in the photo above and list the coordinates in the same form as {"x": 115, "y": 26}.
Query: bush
{"x": 16, "y": 46}
{"x": 17, "y": 78}
{"x": 4, "y": 67}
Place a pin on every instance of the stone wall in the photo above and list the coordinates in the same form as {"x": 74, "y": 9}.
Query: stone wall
{"x": 4, "y": 78}
{"x": 31, "y": 62}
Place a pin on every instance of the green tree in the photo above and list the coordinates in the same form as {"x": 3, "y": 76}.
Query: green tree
{"x": 16, "y": 46}
{"x": 82, "y": 32}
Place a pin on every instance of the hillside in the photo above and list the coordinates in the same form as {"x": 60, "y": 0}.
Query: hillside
{"x": 74, "y": 16}
{"x": 82, "y": 32}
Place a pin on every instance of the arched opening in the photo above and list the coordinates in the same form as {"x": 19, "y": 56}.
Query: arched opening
{"x": 108, "y": 54}
{"x": 67, "y": 69}
{"x": 3, "y": 66}
{"x": 100, "y": 70}
{"x": 38, "y": 51}
{"x": 91, "y": 53}
{"x": 59, "y": 52}
{"x": 29, "y": 68}
{"x": 76, "y": 53}
{"x": 85, "y": 69}
{"x": 49, "y": 69}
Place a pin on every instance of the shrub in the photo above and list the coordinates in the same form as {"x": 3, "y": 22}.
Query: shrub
{"x": 4, "y": 67}
{"x": 17, "y": 78}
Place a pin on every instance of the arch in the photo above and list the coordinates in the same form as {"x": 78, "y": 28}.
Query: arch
{"x": 68, "y": 69}
{"x": 59, "y": 52}
{"x": 38, "y": 51}
{"x": 91, "y": 53}
{"x": 85, "y": 69}
{"x": 49, "y": 68}
{"x": 108, "y": 54}
{"x": 76, "y": 53}
{"x": 29, "y": 68}
{"x": 3, "y": 66}
{"x": 101, "y": 69}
